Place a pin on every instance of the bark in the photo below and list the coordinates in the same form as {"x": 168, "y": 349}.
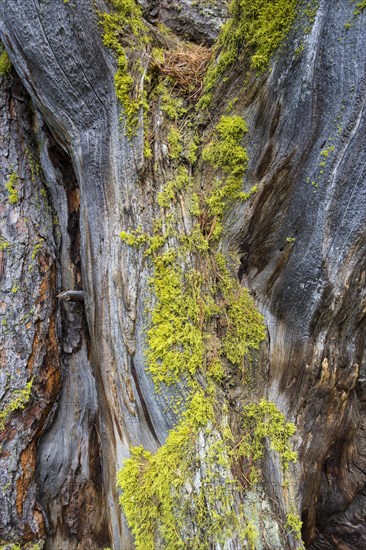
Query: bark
{"x": 299, "y": 245}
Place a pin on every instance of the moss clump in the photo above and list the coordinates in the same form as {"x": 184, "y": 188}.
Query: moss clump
{"x": 126, "y": 20}
{"x": 181, "y": 140}
{"x": 138, "y": 238}
{"x": 171, "y": 105}
{"x": 134, "y": 238}
{"x": 201, "y": 324}
{"x": 174, "y": 339}
{"x": 4, "y": 244}
{"x": 246, "y": 329}
{"x": 226, "y": 153}
{"x": 174, "y": 142}
{"x": 153, "y": 485}
{"x": 18, "y": 401}
{"x": 360, "y": 6}
{"x": 245, "y": 325}
{"x": 258, "y": 25}
{"x": 5, "y": 63}
{"x": 167, "y": 503}
{"x": 294, "y": 525}
{"x": 172, "y": 188}
{"x": 162, "y": 495}
{"x": 261, "y": 421}
{"x": 11, "y": 187}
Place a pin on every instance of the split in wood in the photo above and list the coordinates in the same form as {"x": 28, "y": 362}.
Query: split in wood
{"x": 71, "y": 296}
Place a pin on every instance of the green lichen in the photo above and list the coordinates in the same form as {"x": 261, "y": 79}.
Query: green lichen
{"x": 11, "y": 187}
{"x": 37, "y": 248}
{"x": 18, "y": 401}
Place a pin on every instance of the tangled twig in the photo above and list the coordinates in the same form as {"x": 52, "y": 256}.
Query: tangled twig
{"x": 186, "y": 67}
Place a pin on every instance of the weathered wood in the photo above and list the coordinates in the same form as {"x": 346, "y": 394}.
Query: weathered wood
{"x": 71, "y": 296}
{"x": 301, "y": 239}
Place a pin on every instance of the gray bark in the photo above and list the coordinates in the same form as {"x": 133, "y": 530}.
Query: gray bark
{"x": 91, "y": 396}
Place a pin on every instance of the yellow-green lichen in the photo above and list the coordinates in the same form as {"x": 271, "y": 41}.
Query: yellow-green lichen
{"x": 4, "y": 244}
{"x": 326, "y": 152}
{"x": 25, "y": 546}
{"x": 37, "y": 248}
{"x": 18, "y": 401}
{"x": 179, "y": 184}
{"x": 11, "y": 187}
{"x": 5, "y": 63}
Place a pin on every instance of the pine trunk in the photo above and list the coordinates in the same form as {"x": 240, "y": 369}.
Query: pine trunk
{"x": 78, "y": 390}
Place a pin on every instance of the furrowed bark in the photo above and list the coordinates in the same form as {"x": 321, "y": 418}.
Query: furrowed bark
{"x": 73, "y": 294}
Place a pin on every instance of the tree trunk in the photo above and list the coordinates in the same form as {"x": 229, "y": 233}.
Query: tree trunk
{"x": 81, "y": 384}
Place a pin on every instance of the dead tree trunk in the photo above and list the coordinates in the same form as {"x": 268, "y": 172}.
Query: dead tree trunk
{"x": 84, "y": 381}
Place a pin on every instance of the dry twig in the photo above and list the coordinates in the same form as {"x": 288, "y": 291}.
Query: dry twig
{"x": 186, "y": 67}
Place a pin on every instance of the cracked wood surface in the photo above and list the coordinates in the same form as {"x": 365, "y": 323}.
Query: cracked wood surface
{"x": 302, "y": 245}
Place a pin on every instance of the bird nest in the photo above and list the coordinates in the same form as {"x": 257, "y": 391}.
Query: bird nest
{"x": 186, "y": 67}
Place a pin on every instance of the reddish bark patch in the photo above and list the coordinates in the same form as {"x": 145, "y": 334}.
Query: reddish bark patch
{"x": 27, "y": 463}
